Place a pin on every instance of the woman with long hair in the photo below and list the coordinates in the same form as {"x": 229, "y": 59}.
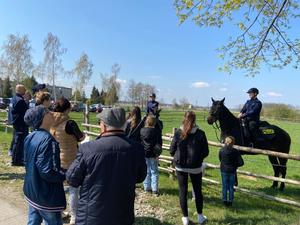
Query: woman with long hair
{"x": 134, "y": 124}
{"x": 67, "y": 134}
{"x": 189, "y": 147}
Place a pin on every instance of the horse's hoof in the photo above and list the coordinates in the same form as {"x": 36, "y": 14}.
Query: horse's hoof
{"x": 281, "y": 188}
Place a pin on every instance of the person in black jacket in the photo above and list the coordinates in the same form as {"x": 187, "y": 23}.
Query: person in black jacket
{"x": 151, "y": 137}
{"x": 107, "y": 170}
{"x": 230, "y": 159}
{"x": 189, "y": 147}
{"x": 18, "y": 110}
{"x": 134, "y": 124}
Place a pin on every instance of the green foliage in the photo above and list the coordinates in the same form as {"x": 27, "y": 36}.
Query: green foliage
{"x": 78, "y": 96}
{"x": 280, "y": 111}
{"x": 96, "y": 97}
{"x": 7, "y": 89}
{"x": 263, "y": 27}
{"x": 29, "y": 82}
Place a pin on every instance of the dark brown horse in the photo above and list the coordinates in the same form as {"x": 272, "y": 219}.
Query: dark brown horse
{"x": 230, "y": 125}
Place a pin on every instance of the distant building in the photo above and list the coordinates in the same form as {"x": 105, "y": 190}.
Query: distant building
{"x": 60, "y": 91}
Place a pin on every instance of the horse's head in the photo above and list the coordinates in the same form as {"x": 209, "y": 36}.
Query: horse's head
{"x": 215, "y": 111}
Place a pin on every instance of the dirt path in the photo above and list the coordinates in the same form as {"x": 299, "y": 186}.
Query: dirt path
{"x": 14, "y": 209}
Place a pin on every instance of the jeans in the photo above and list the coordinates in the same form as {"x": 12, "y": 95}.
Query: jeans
{"x": 227, "y": 186}
{"x": 36, "y": 217}
{"x": 151, "y": 181}
{"x": 73, "y": 200}
{"x": 183, "y": 191}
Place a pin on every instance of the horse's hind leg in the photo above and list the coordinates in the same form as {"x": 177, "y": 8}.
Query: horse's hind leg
{"x": 282, "y": 171}
{"x": 276, "y": 169}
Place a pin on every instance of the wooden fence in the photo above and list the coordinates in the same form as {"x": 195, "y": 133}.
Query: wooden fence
{"x": 167, "y": 161}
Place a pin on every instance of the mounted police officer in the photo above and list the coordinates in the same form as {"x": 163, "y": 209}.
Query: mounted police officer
{"x": 250, "y": 114}
{"x": 153, "y": 109}
{"x": 152, "y": 105}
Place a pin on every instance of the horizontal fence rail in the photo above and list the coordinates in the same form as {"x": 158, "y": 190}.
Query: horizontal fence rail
{"x": 171, "y": 170}
{"x": 168, "y": 137}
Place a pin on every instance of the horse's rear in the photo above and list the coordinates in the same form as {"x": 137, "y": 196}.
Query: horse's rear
{"x": 280, "y": 142}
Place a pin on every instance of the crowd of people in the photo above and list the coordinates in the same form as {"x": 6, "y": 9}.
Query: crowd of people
{"x": 101, "y": 175}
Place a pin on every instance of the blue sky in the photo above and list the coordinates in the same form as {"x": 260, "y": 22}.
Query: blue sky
{"x": 145, "y": 38}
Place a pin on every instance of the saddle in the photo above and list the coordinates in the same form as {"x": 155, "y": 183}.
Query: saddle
{"x": 266, "y": 130}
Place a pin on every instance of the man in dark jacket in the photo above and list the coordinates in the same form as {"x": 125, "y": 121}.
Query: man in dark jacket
{"x": 152, "y": 105}
{"x": 107, "y": 170}
{"x": 250, "y": 113}
{"x": 17, "y": 111}
{"x": 43, "y": 184}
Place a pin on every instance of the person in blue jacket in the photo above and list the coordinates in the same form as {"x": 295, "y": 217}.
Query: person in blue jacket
{"x": 43, "y": 183}
{"x": 250, "y": 113}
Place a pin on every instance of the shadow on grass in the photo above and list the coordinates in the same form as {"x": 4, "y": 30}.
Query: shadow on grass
{"x": 149, "y": 221}
{"x": 11, "y": 176}
{"x": 290, "y": 191}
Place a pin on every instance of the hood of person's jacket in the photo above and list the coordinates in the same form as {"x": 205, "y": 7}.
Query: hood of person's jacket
{"x": 194, "y": 129}
{"x": 59, "y": 118}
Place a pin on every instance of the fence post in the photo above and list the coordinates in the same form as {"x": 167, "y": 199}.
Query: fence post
{"x": 86, "y": 116}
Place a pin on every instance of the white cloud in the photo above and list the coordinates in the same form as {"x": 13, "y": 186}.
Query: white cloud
{"x": 200, "y": 84}
{"x": 223, "y": 89}
{"x": 274, "y": 94}
{"x": 121, "y": 81}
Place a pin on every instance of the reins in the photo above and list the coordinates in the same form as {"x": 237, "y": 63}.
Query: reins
{"x": 216, "y": 127}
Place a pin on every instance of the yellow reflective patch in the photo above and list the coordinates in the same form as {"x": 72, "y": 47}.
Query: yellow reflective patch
{"x": 268, "y": 131}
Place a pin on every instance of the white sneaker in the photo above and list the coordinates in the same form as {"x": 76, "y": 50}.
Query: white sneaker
{"x": 72, "y": 220}
{"x": 185, "y": 220}
{"x": 201, "y": 218}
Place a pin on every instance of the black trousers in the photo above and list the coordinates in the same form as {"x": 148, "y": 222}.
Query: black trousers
{"x": 183, "y": 191}
{"x": 17, "y": 145}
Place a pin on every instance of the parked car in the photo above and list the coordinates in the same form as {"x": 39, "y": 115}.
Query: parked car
{"x": 96, "y": 108}
{"x": 77, "y": 106}
{"x": 4, "y": 102}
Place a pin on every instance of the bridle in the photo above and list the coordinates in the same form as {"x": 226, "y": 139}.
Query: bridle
{"x": 216, "y": 127}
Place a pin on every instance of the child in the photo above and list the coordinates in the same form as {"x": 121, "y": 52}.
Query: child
{"x": 150, "y": 138}
{"x": 230, "y": 159}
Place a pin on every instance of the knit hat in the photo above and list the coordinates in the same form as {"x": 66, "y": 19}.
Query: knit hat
{"x": 114, "y": 117}
{"x": 34, "y": 116}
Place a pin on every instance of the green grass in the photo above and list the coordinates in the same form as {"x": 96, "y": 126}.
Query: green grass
{"x": 246, "y": 209}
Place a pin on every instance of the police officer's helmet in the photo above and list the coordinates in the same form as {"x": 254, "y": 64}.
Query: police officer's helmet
{"x": 253, "y": 90}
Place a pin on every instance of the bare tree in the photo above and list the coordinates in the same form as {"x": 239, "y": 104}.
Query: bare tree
{"x": 131, "y": 92}
{"x": 184, "y": 102}
{"x": 52, "y": 60}
{"x": 16, "y": 59}
{"x": 111, "y": 86}
{"x": 83, "y": 71}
